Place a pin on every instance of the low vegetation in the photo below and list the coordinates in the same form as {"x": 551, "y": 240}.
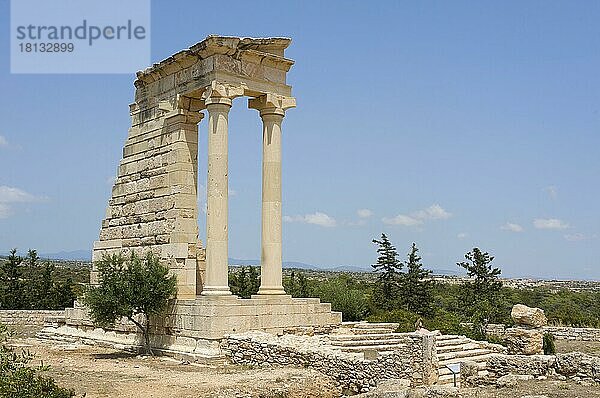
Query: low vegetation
{"x": 19, "y": 380}
{"x": 131, "y": 287}
{"x": 30, "y": 283}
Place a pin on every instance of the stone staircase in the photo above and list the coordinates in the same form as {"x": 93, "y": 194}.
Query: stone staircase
{"x": 362, "y": 337}
{"x": 452, "y": 349}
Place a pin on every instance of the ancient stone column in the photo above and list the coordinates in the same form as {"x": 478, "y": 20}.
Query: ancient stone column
{"x": 272, "y": 110}
{"x": 217, "y": 99}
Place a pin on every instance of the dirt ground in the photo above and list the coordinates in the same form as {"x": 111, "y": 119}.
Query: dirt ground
{"x": 534, "y": 389}
{"x": 106, "y": 373}
{"x": 101, "y": 373}
{"x": 587, "y": 347}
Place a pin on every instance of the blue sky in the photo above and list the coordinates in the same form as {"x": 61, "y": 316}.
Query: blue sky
{"x": 450, "y": 124}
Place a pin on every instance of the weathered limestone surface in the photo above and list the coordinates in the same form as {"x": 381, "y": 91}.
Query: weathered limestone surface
{"x": 153, "y": 206}
{"x": 410, "y": 361}
{"x": 527, "y": 316}
{"x": 196, "y": 326}
{"x": 28, "y": 317}
{"x": 154, "y": 201}
{"x": 524, "y": 341}
{"x": 528, "y": 334}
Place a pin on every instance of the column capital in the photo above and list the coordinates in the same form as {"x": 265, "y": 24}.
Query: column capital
{"x": 221, "y": 93}
{"x": 269, "y": 104}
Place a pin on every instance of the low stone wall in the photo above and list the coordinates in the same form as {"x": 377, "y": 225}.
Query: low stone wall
{"x": 574, "y": 365}
{"x": 28, "y": 317}
{"x": 533, "y": 365}
{"x": 414, "y": 360}
{"x": 559, "y": 332}
{"x": 571, "y": 333}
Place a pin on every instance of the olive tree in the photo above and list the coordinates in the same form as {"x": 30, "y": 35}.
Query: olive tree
{"x": 130, "y": 286}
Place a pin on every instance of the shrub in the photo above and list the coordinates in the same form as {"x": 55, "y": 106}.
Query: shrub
{"x": 549, "y": 346}
{"x": 344, "y": 297}
{"x": 17, "y": 380}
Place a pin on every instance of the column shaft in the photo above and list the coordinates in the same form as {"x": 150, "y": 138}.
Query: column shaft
{"x": 217, "y": 201}
{"x": 271, "y": 272}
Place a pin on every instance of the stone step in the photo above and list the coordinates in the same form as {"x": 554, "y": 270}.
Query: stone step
{"x": 362, "y": 331}
{"x": 385, "y": 325}
{"x": 442, "y": 337}
{"x": 378, "y": 348}
{"x": 345, "y": 337}
{"x": 463, "y": 354}
{"x": 457, "y": 347}
{"x": 480, "y": 359}
{"x": 447, "y": 342}
{"x": 368, "y": 343}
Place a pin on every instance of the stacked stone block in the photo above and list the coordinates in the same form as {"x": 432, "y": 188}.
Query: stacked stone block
{"x": 527, "y": 336}
{"x": 154, "y": 199}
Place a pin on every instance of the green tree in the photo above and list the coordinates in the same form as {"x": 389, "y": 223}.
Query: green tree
{"x": 131, "y": 287}
{"x": 482, "y": 301}
{"x": 12, "y": 284}
{"x": 416, "y": 289}
{"x": 389, "y": 270}
{"x": 32, "y": 258}
{"x": 297, "y": 285}
{"x": 244, "y": 281}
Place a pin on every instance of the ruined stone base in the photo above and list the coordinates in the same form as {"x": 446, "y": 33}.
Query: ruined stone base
{"x": 193, "y": 329}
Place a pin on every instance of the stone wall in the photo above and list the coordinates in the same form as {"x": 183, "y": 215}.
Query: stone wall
{"x": 27, "y": 317}
{"x": 559, "y": 332}
{"x": 574, "y": 365}
{"x": 571, "y": 333}
{"x": 415, "y": 360}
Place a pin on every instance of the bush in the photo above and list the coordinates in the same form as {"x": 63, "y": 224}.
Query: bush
{"x": 549, "y": 347}
{"x": 344, "y": 297}
{"x": 405, "y": 319}
{"x": 17, "y": 380}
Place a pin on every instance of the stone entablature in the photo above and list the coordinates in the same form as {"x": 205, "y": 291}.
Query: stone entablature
{"x": 154, "y": 203}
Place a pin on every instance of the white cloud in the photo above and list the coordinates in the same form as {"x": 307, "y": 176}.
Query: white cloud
{"x": 552, "y": 191}
{"x": 14, "y": 195}
{"x": 316, "y": 218}
{"x": 462, "y": 235}
{"x": 577, "y": 237}
{"x": 10, "y": 195}
{"x": 401, "y": 219}
{"x": 3, "y": 142}
{"x": 549, "y": 223}
{"x": 433, "y": 212}
{"x": 364, "y": 213}
{"x": 512, "y": 227}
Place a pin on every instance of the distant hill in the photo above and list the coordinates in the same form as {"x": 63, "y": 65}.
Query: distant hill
{"x": 75, "y": 255}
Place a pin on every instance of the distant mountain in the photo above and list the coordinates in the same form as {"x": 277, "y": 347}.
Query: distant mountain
{"x": 75, "y": 255}
{"x": 286, "y": 264}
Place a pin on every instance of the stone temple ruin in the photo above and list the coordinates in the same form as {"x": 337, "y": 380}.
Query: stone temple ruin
{"x": 154, "y": 202}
